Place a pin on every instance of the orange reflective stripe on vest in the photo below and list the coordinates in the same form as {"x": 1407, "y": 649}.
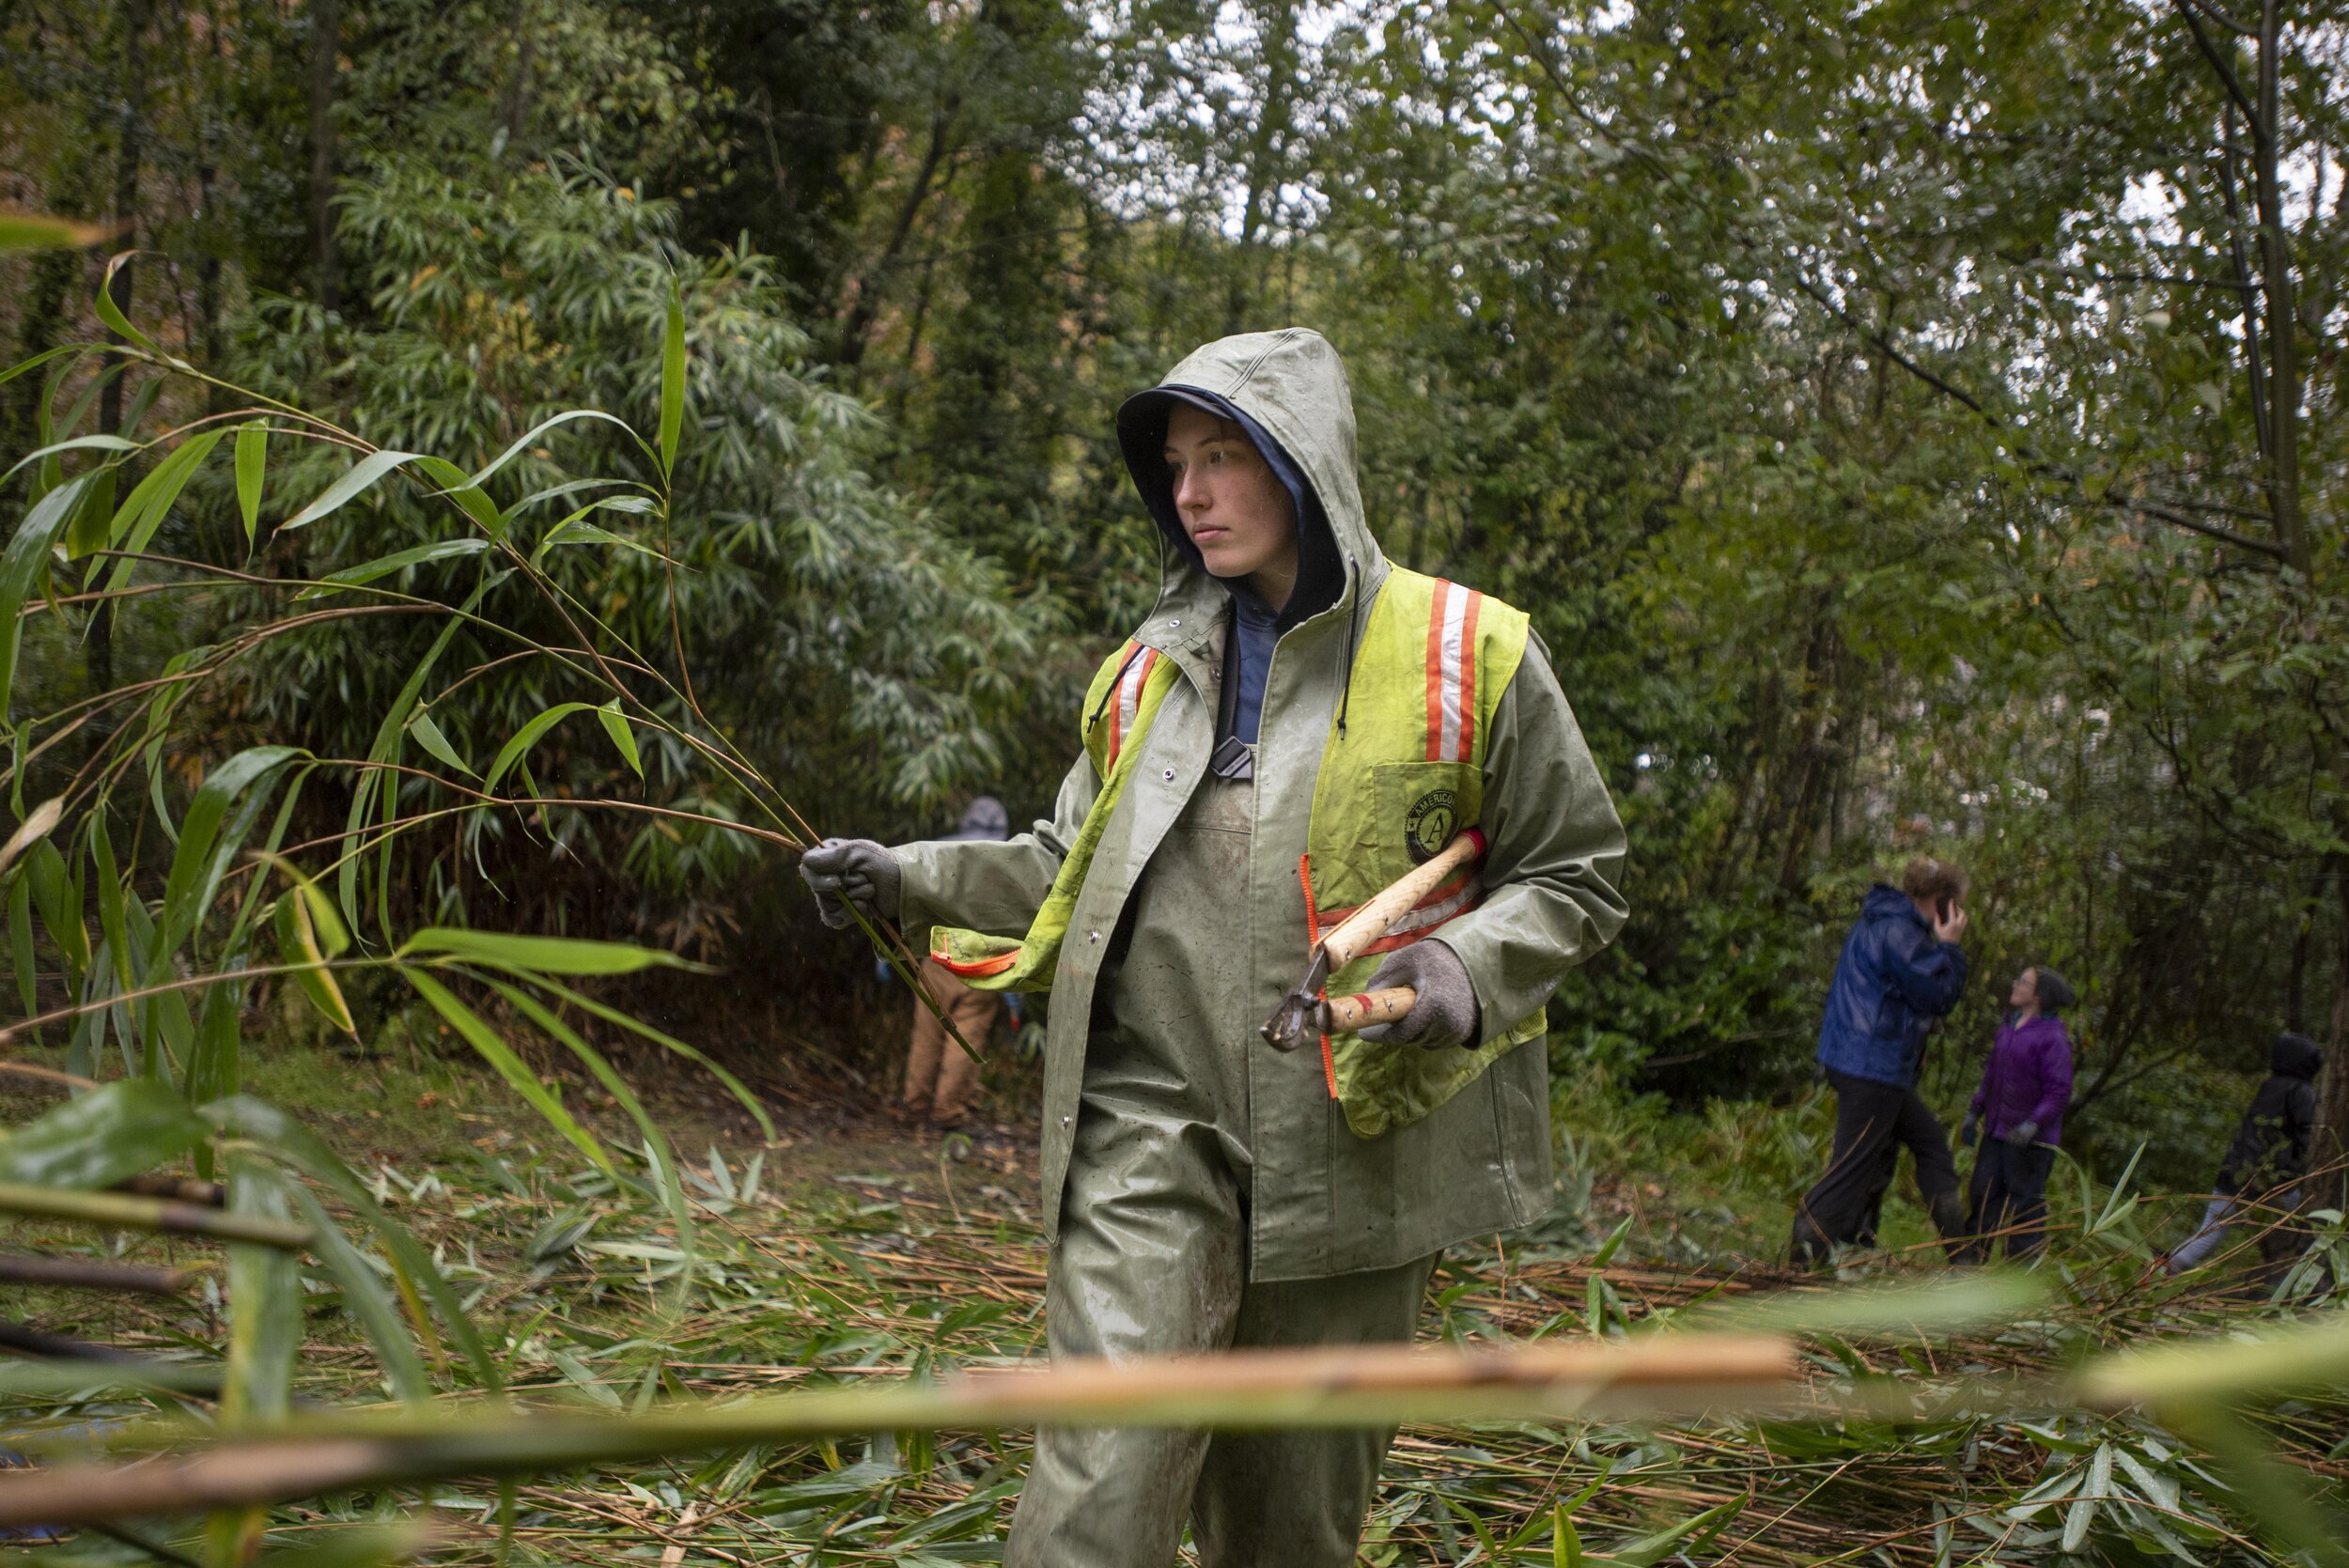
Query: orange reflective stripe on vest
{"x": 1452, "y": 673}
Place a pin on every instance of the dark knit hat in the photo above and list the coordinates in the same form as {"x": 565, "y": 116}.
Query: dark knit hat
{"x": 2055, "y": 992}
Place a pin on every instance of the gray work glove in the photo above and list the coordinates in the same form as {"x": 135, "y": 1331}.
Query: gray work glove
{"x": 2022, "y": 1135}
{"x": 1446, "y": 1011}
{"x": 845, "y": 871}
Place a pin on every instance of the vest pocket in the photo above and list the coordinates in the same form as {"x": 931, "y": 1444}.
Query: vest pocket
{"x": 1415, "y": 808}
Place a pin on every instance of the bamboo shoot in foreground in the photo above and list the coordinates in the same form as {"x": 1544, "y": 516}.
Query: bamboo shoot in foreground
{"x": 1354, "y": 1386}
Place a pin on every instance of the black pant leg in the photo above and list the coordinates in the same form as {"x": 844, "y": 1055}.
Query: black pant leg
{"x": 1836, "y": 1205}
{"x": 2027, "y": 1205}
{"x": 1986, "y": 1199}
{"x": 1936, "y": 1170}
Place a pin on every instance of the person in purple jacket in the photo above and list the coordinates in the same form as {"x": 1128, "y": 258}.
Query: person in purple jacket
{"x": 2026, "y": 1085}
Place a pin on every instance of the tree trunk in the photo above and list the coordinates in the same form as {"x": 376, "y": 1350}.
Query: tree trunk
{"x": 1272, "y": 127}
{"x": 2282, "y": 310}
{"x": 514, "y": 100}
{"x": 326, "y": 42}
{"x": 99, "y": 645}
{"x": 2329, "y": 1149}
{"x": 872, "y": 286}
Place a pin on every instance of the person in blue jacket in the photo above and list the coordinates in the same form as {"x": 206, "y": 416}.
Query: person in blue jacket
{"x": 1901, "y": 968}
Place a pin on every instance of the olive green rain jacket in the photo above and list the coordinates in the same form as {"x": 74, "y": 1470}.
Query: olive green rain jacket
{"x": 1322, "y": 1198}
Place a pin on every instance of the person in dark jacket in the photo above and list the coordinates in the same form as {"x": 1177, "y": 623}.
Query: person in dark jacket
{"x": 2268, "y": 1157}
{"x": 1901, "y": 968}
{"x": 2026, "y": 1085}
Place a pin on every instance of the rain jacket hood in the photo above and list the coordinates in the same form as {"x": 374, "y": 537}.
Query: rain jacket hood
{"x": 2295, "y": 1056}
{"x": 1288, "y": 391}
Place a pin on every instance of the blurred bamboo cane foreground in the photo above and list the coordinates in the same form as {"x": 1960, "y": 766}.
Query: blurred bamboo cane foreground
{"x": 1381, "y": 1385}
{"x": 159, "y": 871}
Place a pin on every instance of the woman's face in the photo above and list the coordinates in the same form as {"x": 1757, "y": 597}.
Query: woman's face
{"x": 2026, "y": 989}
{"x": 1235, "y": 509}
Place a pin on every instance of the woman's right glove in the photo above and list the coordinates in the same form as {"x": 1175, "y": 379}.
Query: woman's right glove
{"x": 845, "y": 871}
{"x": 1972, "y": 1130}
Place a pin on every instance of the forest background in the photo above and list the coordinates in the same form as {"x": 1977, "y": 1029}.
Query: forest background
{"x": 1913, "y": 427}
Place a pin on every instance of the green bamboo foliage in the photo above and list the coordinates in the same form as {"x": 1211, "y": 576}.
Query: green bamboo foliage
{"x": 142, "y": 913}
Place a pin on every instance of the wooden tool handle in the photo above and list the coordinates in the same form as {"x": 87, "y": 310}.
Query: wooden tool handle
{"x": 1346, "y": 1015}
{"x": 1368, "y": 923}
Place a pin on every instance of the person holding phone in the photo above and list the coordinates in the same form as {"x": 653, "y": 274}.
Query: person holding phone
{"x": 1901, "y": 968}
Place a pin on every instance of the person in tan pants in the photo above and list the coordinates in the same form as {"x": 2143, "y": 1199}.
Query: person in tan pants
{"x": 940, "y": 1075}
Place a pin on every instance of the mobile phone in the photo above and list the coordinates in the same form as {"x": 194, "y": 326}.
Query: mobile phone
{"x": 1942, "y": 906}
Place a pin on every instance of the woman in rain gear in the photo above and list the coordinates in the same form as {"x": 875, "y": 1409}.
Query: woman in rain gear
{"x": 1296, "y": 724}
{"x": 2026, "y": 1085}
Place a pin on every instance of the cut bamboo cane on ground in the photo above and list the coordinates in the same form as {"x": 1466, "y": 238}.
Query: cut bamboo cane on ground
{"x": 1366, "y": 1386}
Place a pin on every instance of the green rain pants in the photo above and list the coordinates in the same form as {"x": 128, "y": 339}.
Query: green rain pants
{"x": 1152, "y": 1259}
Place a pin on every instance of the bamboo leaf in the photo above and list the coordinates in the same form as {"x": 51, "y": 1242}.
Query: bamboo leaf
{"x": 363, "y": 476}
{"x": 365, "y": 1298}
{"x": 1652, "y": 1548}
{"x": 572, "y": 531}
{"x": 1566, "y": 1542}
{"x": 1607, "y": 1249}
{"x": 52, "y": 890}
{"x": 87, "y": 533}
{"x": 37, "y": 231}
{"x": 527, "y": 437}
{"x": 22, "y": 566}
{"x": 383, "y": 566}
{"x": 79, "y": 443}
{"x": 20, "y": 944}
{"x": 264, "y": 1304}
{"x": 111, "y": 313}
{"x": 45, "y": 818}
{"x": 428, "y": 736}
{"x": 214, "y": 1067}
{"x": 527, "y": 736}
{"x": 617, "y": 728}
{"x": 296, "y": 941}
{"x": 24, "y": 367}
{"x": 468, "y": 494}
{"x": 672, "y": 381}
{"x": 386, "y": 749}
{"x": 539, "y": 954}
{"x": 170, "y": 477}
{"x": 252, "y": 464}
{"x": 112, "y": 912}
{"x": 204, "y": 849}
{"x": 98, "y": 1139}
{"x": 511, "y": 1067}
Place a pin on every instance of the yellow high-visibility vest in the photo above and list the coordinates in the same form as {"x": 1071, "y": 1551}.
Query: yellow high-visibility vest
{"x": 1403, "y": 776}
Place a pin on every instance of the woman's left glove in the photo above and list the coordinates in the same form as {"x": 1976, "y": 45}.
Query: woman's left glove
{"x": 2022, "y": 1135}
{"x": 1445, "y": 1013}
